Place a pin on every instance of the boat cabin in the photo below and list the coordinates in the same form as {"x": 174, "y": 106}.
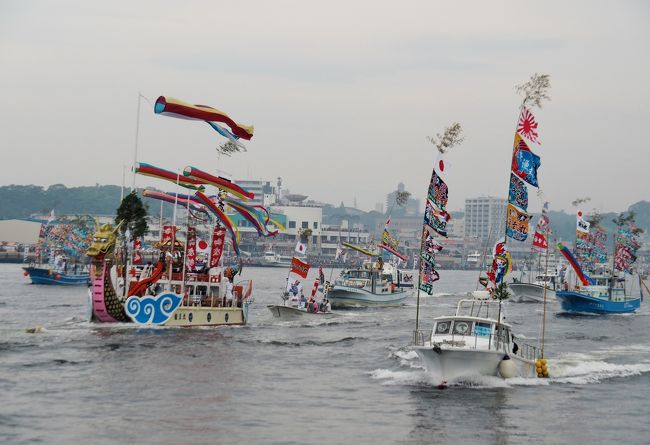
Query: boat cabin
{"x": 475, "y": 326}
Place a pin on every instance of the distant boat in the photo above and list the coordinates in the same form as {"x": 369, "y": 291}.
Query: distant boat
{"x": 47, "y": 275}
{"x": 367, "y": 286}
{"x": 606, "y": 296}
{"x": 272, "y": 259}
{"x": 544, "y": 281}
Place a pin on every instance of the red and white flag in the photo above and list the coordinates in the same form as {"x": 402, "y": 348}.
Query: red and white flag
{"x": 539, "y": 240}
{"x": 218, "y": 236}
{"x": 301, "y": 247}
{"x": 527, "y": 126}
{"x": 137, "y": 254}
{"x": 315, "y": 288}
{"x": 190, "y": 262}
{"x": 442, "y": 165}
{"x": 299, "y": 267}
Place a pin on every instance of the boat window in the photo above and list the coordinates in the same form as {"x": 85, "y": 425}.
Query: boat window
{"x": 482, "y": 329}
{"x": 461, "y": 327}
{"x": 442, "y": 327}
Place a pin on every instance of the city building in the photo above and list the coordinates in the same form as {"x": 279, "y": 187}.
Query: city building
{"x": 485, "y": 218}
{"x": 411, "y": 208}
{"x": 265, "y": 191}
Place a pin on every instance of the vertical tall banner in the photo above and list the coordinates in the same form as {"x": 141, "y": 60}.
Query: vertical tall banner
{"x": 168, "y": 233}
{"x": 191, "y": 249}
{"x": 216, "y": 247}
{"x": 435, "y": 221}
{"x": 137, "y": 251}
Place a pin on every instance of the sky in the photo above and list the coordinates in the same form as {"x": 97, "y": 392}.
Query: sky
{"x": 342, "y": 94}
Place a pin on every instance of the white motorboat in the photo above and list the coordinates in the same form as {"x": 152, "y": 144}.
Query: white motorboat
{"x": 473, "y": 342}
{"x": 272, "y": 259}
{"x": 534, "y": 292}
{"x": 367, "y": 286}
{"x": 292, "y": 309}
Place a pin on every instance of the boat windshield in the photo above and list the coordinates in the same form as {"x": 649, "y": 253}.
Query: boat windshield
{"x": 357, "y": 274}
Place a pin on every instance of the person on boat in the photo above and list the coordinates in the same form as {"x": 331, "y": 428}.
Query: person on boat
{"x": 303, "y": 300}
{"x": 515, "y": 346}
{"x": 229, "y": 290}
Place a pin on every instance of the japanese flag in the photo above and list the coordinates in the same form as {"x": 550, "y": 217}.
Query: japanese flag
{"x": 301, "y": 248}
{"x": 202, "y": 246}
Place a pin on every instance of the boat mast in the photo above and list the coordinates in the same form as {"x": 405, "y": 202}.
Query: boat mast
{"x": 545, "y": 289}
{"x": 135, "y": 148}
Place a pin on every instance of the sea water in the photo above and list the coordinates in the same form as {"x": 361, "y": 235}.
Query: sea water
{"x": 352, "y": 379}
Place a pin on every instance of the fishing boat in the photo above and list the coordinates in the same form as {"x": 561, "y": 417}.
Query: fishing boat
{"x": 475, "y": 341}
{"x": 59, "y": 248}
{"x": 534, "y": 292}
{"x": 57, "y": 276}
{"x": 372, "y": 284}
{"x": 293, "y": 309}
{"x": 604, "y": 294}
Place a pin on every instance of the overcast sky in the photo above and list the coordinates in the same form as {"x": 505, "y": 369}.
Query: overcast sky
{"x": 342, "y": 94}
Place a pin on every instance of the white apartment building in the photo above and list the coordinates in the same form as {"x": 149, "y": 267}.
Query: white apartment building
{"x": 485, "y": 218}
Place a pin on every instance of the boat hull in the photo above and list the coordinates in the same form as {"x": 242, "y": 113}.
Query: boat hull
{"x": 288, "y": 313}
{"x": 576, "y": 302}
{"x": 194, "y": 316}
{"x": 346, "y": 297}
{"x": 529, "y": 293}
{"x": 453, "y": 365}
{"x": 41, "y": 275}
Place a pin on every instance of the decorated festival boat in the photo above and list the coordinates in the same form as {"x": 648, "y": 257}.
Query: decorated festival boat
{"x": 604, "y": 293}
{"x": 477, "y": 341}
{"x": 474, "y": 341}
{"x": 372, "y": 284}
{"x": 61, "y": 244}
{"x": 294, "y": 304}
{"x": 175, "y": 291}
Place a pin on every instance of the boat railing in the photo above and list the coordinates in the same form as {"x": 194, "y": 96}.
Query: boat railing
{"x": 496, "y": 342}
{"x": 421, "y": 336}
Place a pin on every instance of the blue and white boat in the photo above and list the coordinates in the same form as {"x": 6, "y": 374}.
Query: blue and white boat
{"x": 47, "y": 275}
{"x": 605, "y": 296}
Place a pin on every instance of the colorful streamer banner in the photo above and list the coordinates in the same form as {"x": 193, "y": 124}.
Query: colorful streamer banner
{"x": 516, "y": 223}
{"x": 168, "y": 106}
{"x": 574, "y": 264}
{"x": 360, "y": 249}
{"x": 232, "y": 228}
{"x": 176, "y": 178}
{"x": 393, "y": 252}
{"x": 173, "y": 199}
{"x": 217, "y": 181}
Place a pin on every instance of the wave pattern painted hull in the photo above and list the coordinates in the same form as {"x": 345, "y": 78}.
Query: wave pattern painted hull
{"x": 577, "y": 302}
{"x": 345, "y": 296}
{"x": 40, "y": 275}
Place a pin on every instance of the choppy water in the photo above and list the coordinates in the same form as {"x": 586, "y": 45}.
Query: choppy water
{"x": 349, "y": 380}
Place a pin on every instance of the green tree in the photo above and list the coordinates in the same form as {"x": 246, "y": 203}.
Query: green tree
{"x": 134, "y": 214}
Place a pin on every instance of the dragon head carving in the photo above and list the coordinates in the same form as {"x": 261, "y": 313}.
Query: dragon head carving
{"x": 103, "y": 240}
